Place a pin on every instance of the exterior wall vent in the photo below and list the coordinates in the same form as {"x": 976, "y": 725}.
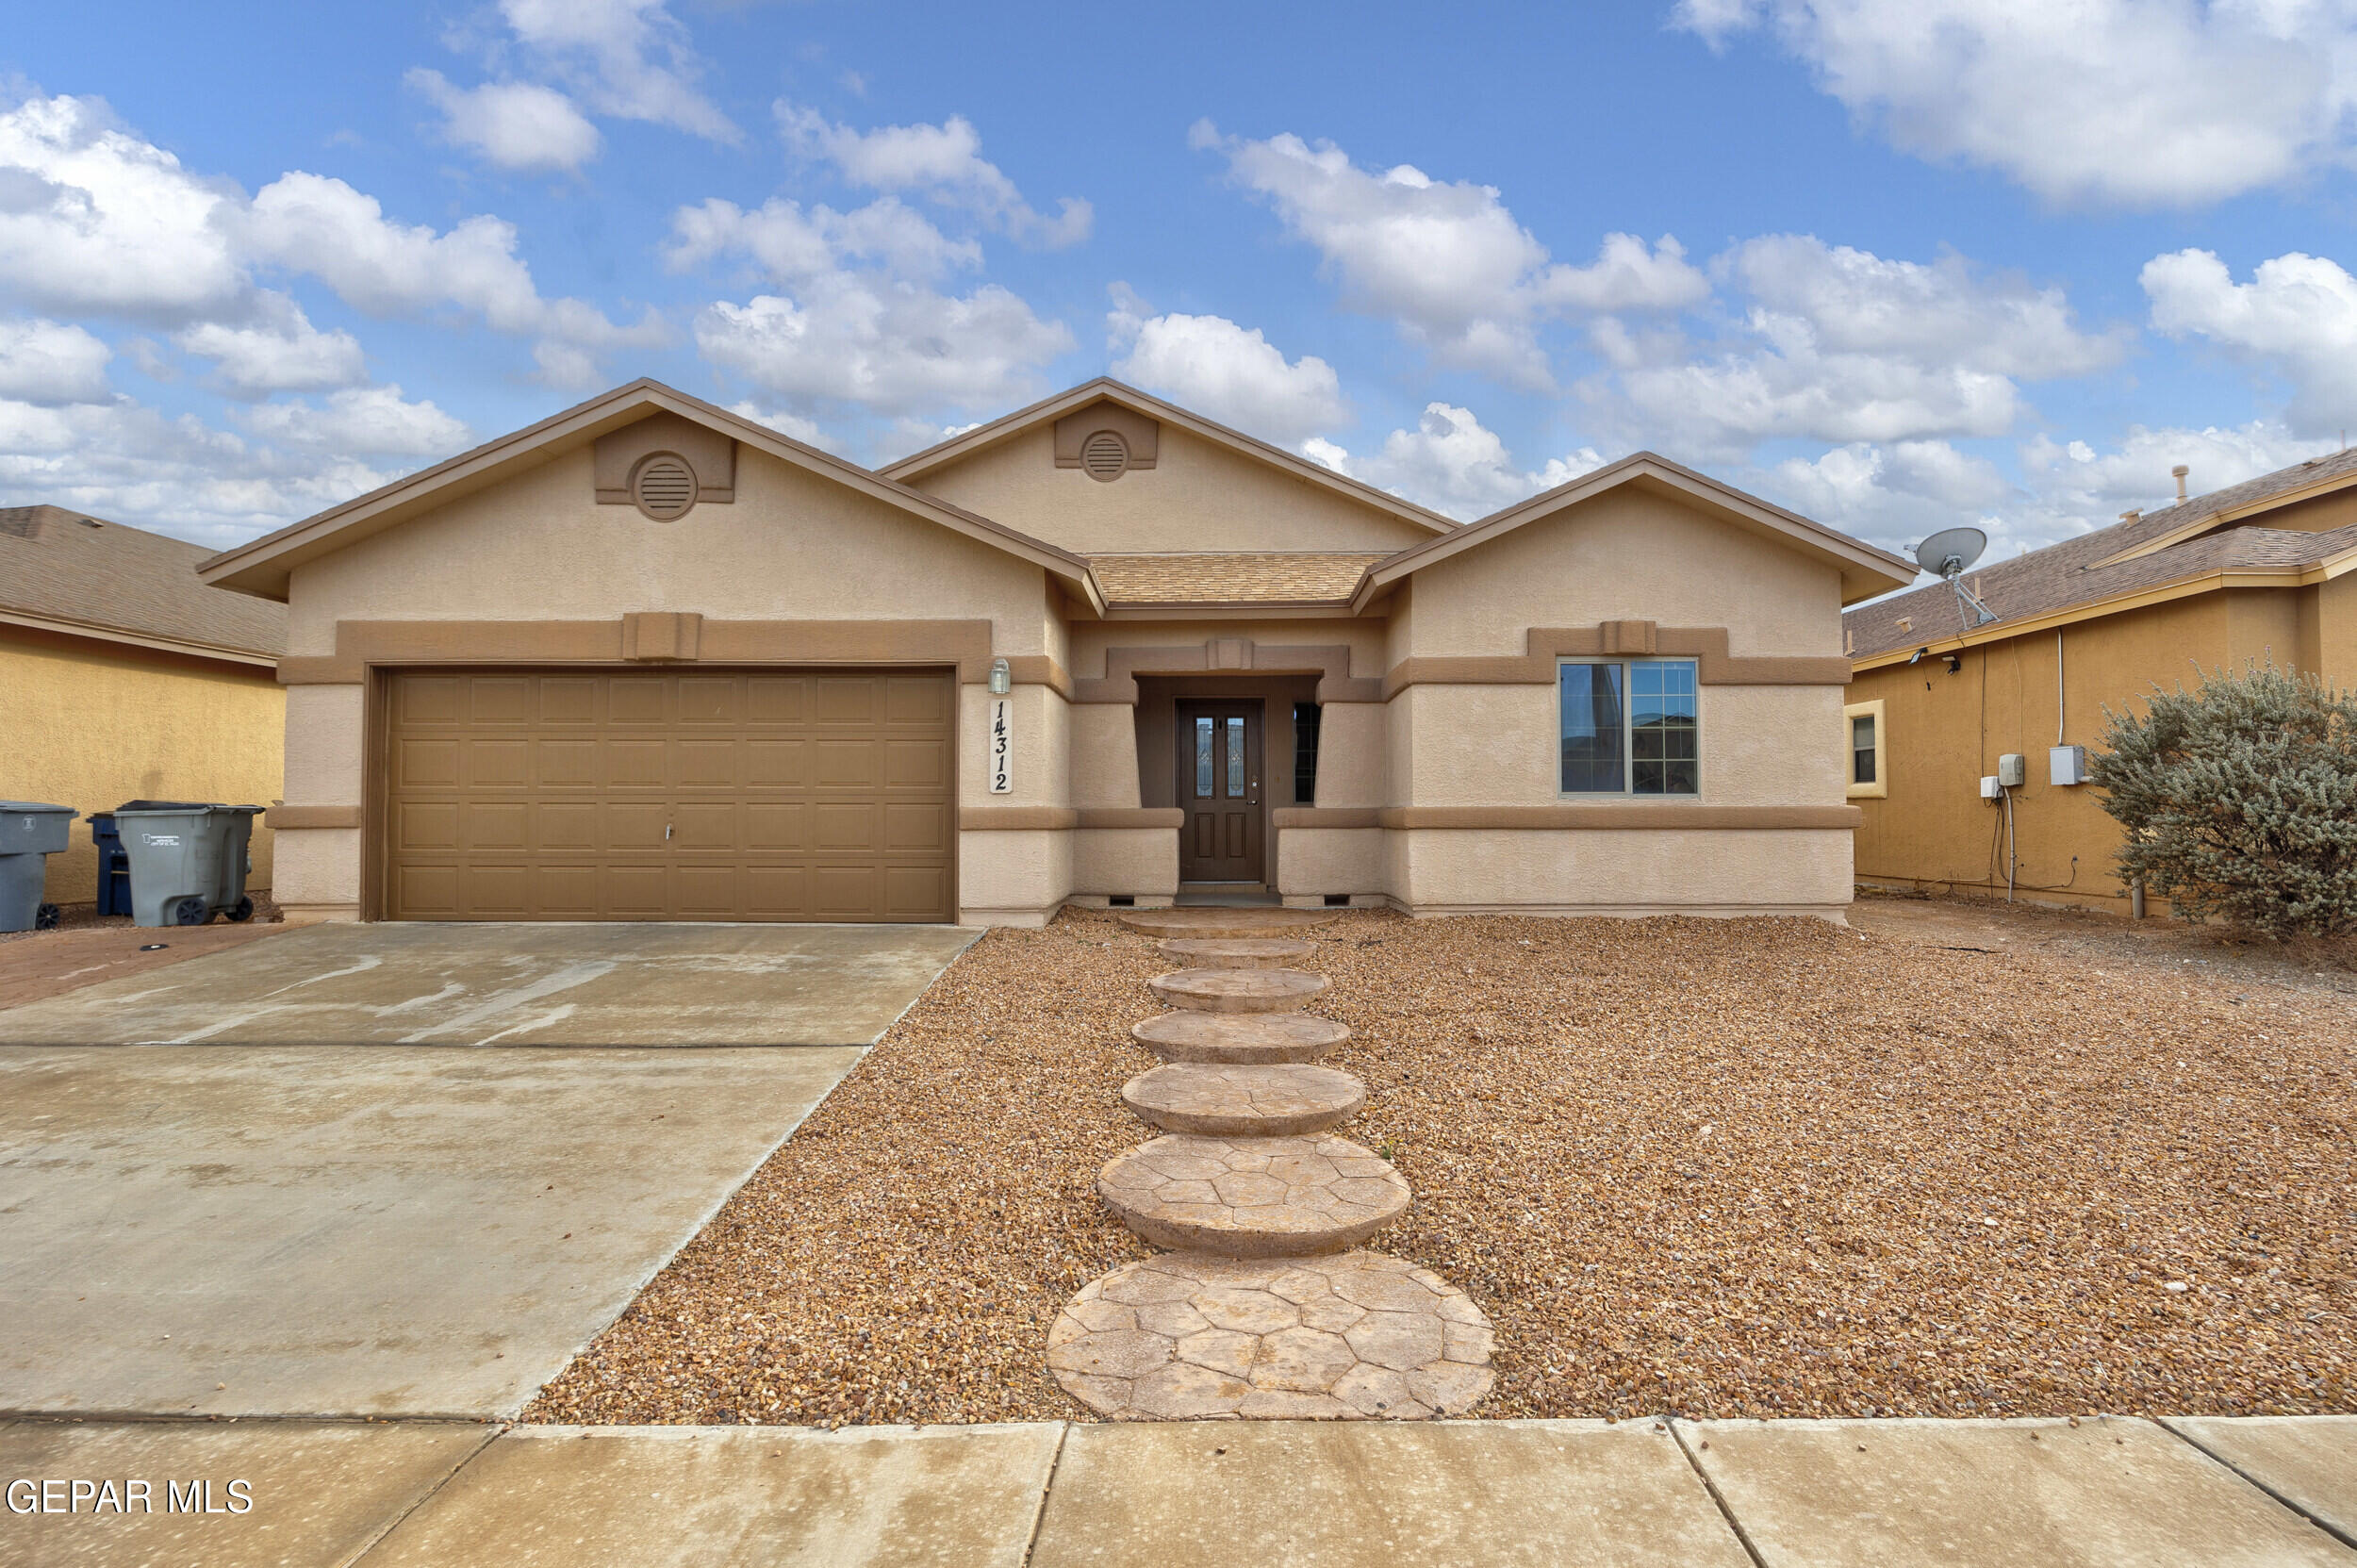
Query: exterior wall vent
{"x": 664, "y": 485}
{"x": 1105, "y": 456}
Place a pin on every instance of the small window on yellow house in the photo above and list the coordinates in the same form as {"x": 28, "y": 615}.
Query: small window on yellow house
{"x": 1869, "y": 775}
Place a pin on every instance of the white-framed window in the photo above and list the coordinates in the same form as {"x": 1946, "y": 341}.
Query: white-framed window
{"x": 1629, "y": 727}
{"x": 1865, "y": 737}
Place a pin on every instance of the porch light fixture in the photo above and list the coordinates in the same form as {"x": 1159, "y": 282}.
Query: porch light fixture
{"x": 1002, "y": 681}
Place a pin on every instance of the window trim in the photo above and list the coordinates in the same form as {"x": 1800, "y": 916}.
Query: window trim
{"x": 1628, "y": 750}
{"x": 1880, "y": 788}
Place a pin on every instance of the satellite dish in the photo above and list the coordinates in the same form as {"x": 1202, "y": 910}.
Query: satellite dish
{"x": 1946, "y": 554}
{"x": 1951, "y": 551}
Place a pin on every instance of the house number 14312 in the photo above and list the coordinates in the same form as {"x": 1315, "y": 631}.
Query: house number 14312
{"x": 1001, "y": 747}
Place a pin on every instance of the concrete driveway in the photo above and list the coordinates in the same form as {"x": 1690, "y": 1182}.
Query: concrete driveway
{"x": 244, "y": 1227}
{"x": 513, "y": 985}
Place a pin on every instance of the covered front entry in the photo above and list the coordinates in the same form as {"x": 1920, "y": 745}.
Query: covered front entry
{"x": 573, "y": 794}
{"x": 1220, "y": 754}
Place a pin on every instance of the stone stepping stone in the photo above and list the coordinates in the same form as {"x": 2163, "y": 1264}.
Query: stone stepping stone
{"x": 1241, "y": 1037}
{"x": 1234, "y": 952}
{"x": 1237, "y": 990}
{"x": 1226, "y": 922}
{"x": 1289, "y": 1099}
{"x": 1253, "y": 1198}
{"x": 1355, "y": 1337}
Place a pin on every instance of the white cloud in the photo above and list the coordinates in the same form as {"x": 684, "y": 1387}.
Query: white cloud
{"x": 1211, "y": 365}
{"x": 943, "y": 162}
{"x": 2297, "y": 316}
{"x": 374, "y": 421}
{"x": 628, "y": 59}
{"x": 276, "y": 351}
{"x": 95, "y": 221}
{"x": 857, "y": 322}
{"x": 1445, "y": 260}
{"x": 513, "y": 124}
{"x": 128, "y": 462}
{"x": 1943, "y": 312}
{"x": 1454, "y": 465}
{"x": 2105, "y": 101}
{"x": 49, "y": 363}
{"x": 1837, "y": 345}
{"x": 1891, "y": 495}
{"x": 805, "y": 431}
{"x": 2080, "y": 488}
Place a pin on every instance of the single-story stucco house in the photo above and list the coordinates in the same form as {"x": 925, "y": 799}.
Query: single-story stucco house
{"x": 650, "y": 660}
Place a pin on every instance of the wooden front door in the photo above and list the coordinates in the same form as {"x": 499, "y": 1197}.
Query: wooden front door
{"x": 1219, "y": 789}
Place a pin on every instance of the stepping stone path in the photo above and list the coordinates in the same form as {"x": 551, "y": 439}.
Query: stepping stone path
{"x": 1234, "y": 952}
{"x": 1237, "y": 990}
{"x": 1261, "y": 1309}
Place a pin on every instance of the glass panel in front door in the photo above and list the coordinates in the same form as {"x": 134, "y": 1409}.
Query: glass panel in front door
{"x": 1204, "y": 788}
{"x": 1235, "y": 759}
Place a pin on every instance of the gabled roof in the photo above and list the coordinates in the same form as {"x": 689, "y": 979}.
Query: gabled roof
{"x": 67, "y": 571}
{"x": 914, "y": 467}
{"x": 1865, "y": 570}
{"x": 262, "y": 567}
{"x": 2194, "y": 544}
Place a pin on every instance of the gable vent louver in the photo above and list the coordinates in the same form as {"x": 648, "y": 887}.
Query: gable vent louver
{"x": 1105, "y": 456}
{"x": 664, "y": 487}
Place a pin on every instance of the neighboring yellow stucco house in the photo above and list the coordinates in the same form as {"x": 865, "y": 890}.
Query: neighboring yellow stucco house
{"x": 2261, "y": 571}
{"x": 122, "y": 677}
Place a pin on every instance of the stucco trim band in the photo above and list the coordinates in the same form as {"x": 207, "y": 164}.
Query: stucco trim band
{"x": 360, "y": 644}
{"x": 1544, "y": 645}
{"x": 1615, "y": 818}
{"x": 1330, "y": 663}
{"x": 281, "y": 819}
{"x": 1132, "y": 816}
{"x": 1017, "y": 818}
{"x": 1325, "y": 816}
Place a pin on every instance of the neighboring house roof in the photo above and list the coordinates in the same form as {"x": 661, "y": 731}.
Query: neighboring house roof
{"x": 1865, "y": 570}
{"x": 1320, "y": 578}
{"x": 64, "y": 570}
{"x": 2193, "y": 546}
{"x": 911, "y": 468}
{"x": 262, "y": 567}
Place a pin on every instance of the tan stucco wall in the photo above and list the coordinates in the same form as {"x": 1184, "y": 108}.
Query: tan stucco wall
{"x": 91, "y": 724}
{"x": 1325, "y": 861}
{"x": 1353, "y": 767}
{"x": 1013, "y": 879}
{"x": 1199, "y": 495}
{"x": 1626, "y": 555}
{"x": 1125, "y": 860}
{"x": 1652, "y": 872}
{"x": 1942, "y": 732}
{"x": 1104, "y": 756}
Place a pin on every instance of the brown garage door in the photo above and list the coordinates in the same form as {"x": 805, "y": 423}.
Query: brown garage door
{"x": 583, "y": 795}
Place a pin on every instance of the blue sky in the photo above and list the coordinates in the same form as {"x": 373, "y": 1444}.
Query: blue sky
{"x": 1898, "y": 264}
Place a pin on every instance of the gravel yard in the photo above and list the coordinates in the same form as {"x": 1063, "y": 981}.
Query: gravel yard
{"x": 1761, "y": 1167}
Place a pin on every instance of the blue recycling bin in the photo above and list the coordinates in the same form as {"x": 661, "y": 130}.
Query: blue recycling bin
{"x": 114, "y": 864}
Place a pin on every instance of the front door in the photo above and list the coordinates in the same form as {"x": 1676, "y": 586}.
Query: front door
{"x": 1219, "y": 789}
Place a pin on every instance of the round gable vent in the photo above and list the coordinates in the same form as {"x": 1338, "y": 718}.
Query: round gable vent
{"x": 664, "y": 485}
{"x": 1105, "y": 456}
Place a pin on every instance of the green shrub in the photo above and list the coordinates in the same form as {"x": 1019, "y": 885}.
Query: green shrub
{"x": 2240, "y": 801}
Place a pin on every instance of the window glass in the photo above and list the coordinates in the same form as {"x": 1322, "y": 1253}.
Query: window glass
{"x": 1862, "y": 748}
{"x": 1664, "y": 758}
{"x": 1305, "y": 753}
{"x": 1203, "y": 758}
{"x": 1592, "y": 755}
{"x": 1235, "y": 759}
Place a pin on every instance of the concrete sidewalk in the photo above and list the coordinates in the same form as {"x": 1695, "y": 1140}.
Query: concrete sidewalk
{"x": 2101, "y": 1493}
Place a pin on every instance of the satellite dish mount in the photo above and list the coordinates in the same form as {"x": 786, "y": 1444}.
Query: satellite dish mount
{"x": 1945, "y": 555}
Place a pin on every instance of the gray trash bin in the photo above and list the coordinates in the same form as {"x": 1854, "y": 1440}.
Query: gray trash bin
{"x": 188, "y": 860}
{"x": 30, "y": 833}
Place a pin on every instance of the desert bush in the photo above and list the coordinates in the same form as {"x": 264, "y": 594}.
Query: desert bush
{"x": 2240, "y": 800}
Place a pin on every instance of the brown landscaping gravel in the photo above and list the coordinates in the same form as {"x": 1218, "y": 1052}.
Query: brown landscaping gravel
{"x": 1764, "y": 1168}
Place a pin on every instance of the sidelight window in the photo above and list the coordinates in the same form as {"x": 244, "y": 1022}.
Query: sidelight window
{"x": 1629, "y": 727}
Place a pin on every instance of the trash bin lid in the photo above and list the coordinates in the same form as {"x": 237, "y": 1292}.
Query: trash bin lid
{"x": 37, "y": 808}
{"x": 164, "y": 806}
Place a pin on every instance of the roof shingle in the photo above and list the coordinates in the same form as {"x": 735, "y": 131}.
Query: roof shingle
{"x": 66, "y": 566}
{"x": 1257, "y": 578}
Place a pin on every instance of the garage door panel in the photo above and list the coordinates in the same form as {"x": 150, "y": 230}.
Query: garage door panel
{"x": 788, "y": 795}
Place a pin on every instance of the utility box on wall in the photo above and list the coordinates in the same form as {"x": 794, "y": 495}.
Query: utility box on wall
{"x": 2013, "y": 770}
{"x": 2067, "y": 765}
